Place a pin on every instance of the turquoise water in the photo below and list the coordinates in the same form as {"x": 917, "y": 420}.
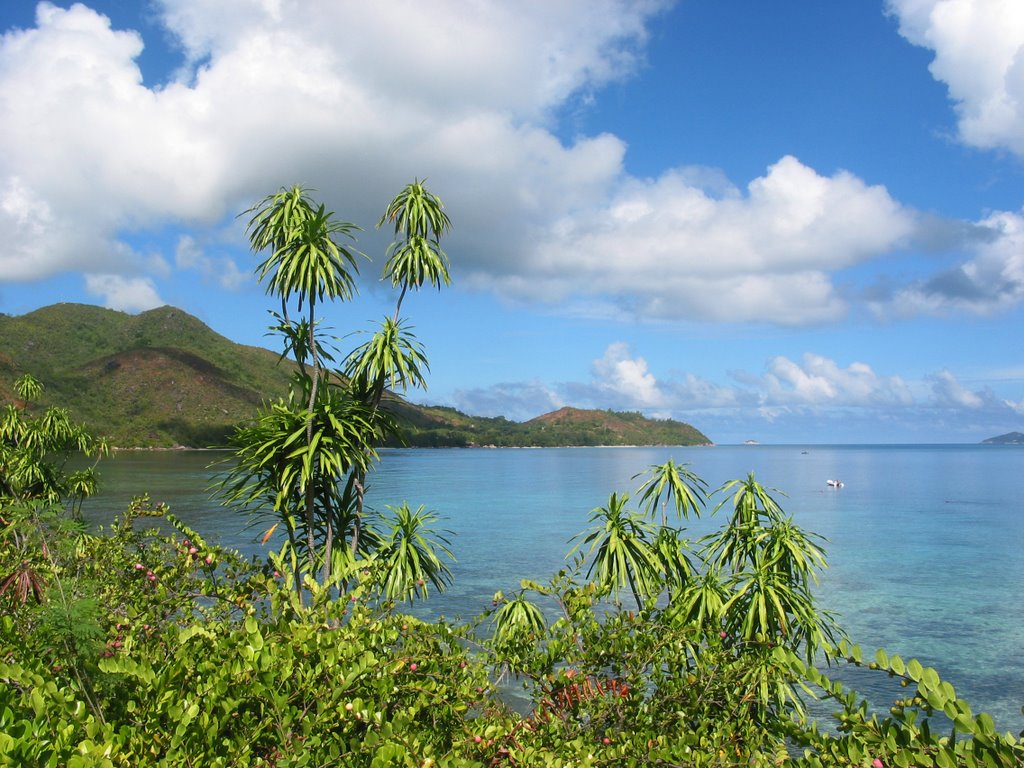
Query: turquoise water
{"x": 926, "y": 543}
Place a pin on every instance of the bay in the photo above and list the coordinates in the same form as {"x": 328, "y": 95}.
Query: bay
{"x": 925, "y": 543}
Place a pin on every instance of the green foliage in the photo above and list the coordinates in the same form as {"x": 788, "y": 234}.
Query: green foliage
{"x": 768, "y": 565}
{"x": 415, "y": 257}
{"x": 621, "y": 550}
{"x": 190, "y": 386}
{"x": 931, "y": 725}
{"x": 304, "y": 256}
{"x": 155, "y": 649}
{"x": 35, "y": 449}
{"x": 409, "y": 555}
{"x": 187, "y": 386}
{"x": 304, "y": 460}
{"x": 257, "y": 684}
{"x": 392, "y": 355}
{"x": 134, "y": 647}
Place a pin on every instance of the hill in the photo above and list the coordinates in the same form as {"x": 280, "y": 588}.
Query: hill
{"x": 158, "y": 379}
{"x": 163, "y": 378}
{"x": 1010, "y": 438}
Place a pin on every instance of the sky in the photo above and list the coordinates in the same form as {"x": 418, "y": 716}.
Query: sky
{"x": 791, "y": 222}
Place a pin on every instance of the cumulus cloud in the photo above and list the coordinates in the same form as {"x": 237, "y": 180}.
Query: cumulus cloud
{"x": 979, "y": 55}
{"x": 124, "y": 294}
{"x": 818, "y": 380}
{"x": 267, "y": 96}
{"x": 88, "y": 143}
{"x": 627, "y": 378}
{"x": 948, "y": 391}
{"x": 991, "y": 281}
{"x": 676, "y": 249}
{"x": 791, "y": 398}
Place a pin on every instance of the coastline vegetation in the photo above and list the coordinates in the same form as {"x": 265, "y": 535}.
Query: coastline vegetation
{"x": 132, "y": 647}
{"x": 163, "y": 379}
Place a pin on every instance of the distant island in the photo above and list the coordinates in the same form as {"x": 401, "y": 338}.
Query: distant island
{"x": 163, "y": 379}
{"x": 1010, "y": 438}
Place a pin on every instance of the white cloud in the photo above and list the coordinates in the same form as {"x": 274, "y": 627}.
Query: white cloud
{"x": 991, "y": 281}
{"x": 443, "y": 57}
{"x": 273, "y": 98}
{"x": 627, "y": 378}
{"x": 789, "y": 399}
{"x": 268, "y": 96}
{"x": 950, "y": 392}
{"x": 678, "y": 251}
{"x": 818, "y": 380}
{"x": 124, "y": 294}
{"x": 979, "y": 55}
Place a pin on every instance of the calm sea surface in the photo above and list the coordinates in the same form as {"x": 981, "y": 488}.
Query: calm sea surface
{"x": 925, "y": 543}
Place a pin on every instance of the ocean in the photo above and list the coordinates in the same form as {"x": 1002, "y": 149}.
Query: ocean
{"x": 925, "y": 543}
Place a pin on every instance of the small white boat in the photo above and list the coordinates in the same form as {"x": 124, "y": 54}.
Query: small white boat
{"x": 834, "y": 483}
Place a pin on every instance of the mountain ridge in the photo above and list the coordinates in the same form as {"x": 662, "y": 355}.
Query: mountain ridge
{"x": 163, "y": 378}
{"x": 1010, "y": 438}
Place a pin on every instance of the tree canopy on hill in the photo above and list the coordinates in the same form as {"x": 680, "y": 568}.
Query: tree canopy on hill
{"x": 163, "y": 378}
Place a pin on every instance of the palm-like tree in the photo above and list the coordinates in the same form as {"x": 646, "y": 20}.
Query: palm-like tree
{"x": 415, "y": 257}
{"x": 622, "y": 551}
{"x": 411, "y": 554}
{"x": 306, "y": 458}
{"x": 769, "y": 565}
{"x": 299, "y": 450}
{"x": 393, "y": 359}
{"x": 671, "y": 482}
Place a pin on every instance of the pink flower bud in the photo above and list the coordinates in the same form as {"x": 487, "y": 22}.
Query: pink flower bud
{"x": 192, "y": 550}
{"x": 140, "y": 567}
{"x": 413, "y": 666}
{"x": 877, "y": 763}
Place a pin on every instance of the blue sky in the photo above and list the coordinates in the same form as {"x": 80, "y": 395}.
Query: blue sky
{"x": 793, "y": 221}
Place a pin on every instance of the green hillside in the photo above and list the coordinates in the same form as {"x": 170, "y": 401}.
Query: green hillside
{"x": 158, "y": 379}
{"x": 163, "y": 378}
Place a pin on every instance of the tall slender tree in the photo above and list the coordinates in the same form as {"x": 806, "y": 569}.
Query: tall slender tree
{"x": 306, "y": 458}
{"x": 393, "y": 360}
